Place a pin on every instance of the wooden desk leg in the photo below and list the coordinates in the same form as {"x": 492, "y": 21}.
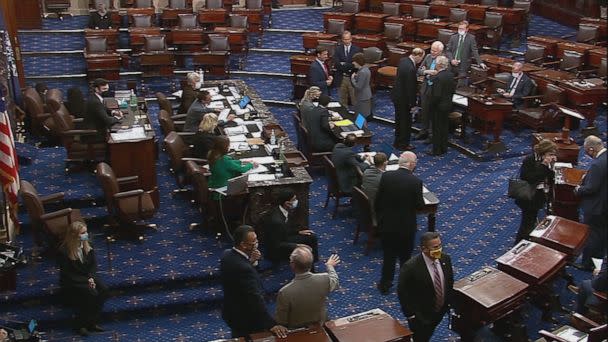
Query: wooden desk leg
{"x": 431, "y": 222}
{"x": 496, "y": 146}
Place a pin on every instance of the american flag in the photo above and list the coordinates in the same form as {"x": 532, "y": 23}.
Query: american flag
{"x": 9, "y": 175}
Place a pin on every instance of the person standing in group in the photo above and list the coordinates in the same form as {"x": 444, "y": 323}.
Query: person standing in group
{"x": 318, "y": 74}
{"x": 442, "y": 91}
{"x": 361, "y": 82}
{"x": 461, "y": 47}
{"x": 404, "y": 98}
{"x": 428, "y": 70}
{"x": 344, "y": 68}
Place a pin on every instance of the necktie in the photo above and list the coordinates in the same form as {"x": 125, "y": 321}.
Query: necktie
{"x": 459, "y": 48}
{"x": 438, "y": 286}
{"x": 347, "y": 50}
{"x": 324, "y": 69}
{"x": 514, "y": 85}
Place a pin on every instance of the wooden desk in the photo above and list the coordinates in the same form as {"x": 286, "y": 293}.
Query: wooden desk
{"x": 137, "y": 36}
{"x": 374, "y": 325}
{"x": 428, "y": 28}
{"x": 111, "y": 36}
{"x": 491, "y": 112}
{"x": 310, "y": 41}
{"x": 237, "y": 38}
{"x": 103, "y": 65}
{"x": 169, "y": 15}
{"x": 216, "y": 62}
{"x": 498, "y": 64}
{"x": 193, "y": 37}
{"x": 314, "y": 333}
{"x": 532, "y": 263}
{"x": 484, "y": 297}
{"x": 543, "y": 77}
{"x": 364, "y": 40}
{"x": 254, "y": 18}
{"x": 409, "y": 25}
{"x": 565, "y": 202}
{"x": 212, "y": 17}
{"x": 370, "y": 22}
{"x": 406, "y": 5}
{"x": 157, "y": 64}
{"x": 409, "y": 46}
{"x": 477, "y": 13}
{"x": 561, "y": 234}
{"x": 585, "y": 97}
{"x": 347, "y": 17}
{"x": 512, "y": 18}
{"x": 572, "y": 46}
{"x": 550, "y": 44}
{"x": 567, "y": 151}
{"x": 596, "y": 55}
{"x": 441, "y": 8}
{"x": 301, "y": 63}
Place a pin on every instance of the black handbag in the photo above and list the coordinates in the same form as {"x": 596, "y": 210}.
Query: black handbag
{"x": 520, "y": 189}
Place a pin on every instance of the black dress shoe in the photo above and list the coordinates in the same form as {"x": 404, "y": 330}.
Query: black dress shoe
{"x": 96, "y": 328}
{"x": 384, "y": 289}
{"x": 83, "y": 332}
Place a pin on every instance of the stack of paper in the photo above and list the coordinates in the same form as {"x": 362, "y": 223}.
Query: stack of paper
{"x": 357, "y": 133}
{"x": 238, "y": 130}
{"x": 260, "y": 169}
{"x": 134, "y": 133}
{"x": 260, "y": 160}
{"x": 216, "y": 105}
{"x": 237, "y": 138}
{"x": 258, "y": 177}
{"x": 334, "y": 104}
{"x": 239, "y": 146}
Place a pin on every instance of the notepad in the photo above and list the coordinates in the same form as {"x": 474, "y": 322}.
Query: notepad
{"x": 238, "y": 130}
{"x": 356, "y": 133}
{"x": 237, "y": 138}
{"x": 259, "y": 169}
{"x": 343, "y": 123}
{"x": 260, "y": 160}
{"x": 334, "y": 104}
{"x": 258, "y": 177}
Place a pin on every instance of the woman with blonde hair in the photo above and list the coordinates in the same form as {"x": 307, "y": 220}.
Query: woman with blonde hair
{"x": 205, "y": 137}
{"x": 80, "y": 286}
{"x": 306, "y": 103}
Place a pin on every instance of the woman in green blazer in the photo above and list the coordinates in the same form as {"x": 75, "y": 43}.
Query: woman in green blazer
{"x": 222, "y": 166}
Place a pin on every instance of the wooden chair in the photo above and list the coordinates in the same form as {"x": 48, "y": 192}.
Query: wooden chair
{"x": 542, "y": 114}
{"x": 201, "y": 197}
{"x": 35, "y": 110}
{"x": 388, "y": 73}
{"x": 365, "y": 222}
{"x": 315, "y": 159}
{"x": 493, "y": 35}
{"x": 333, "y": 188}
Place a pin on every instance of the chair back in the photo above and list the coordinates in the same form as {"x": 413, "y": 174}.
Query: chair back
{"x": 178, "y": 4}
{"x": 143, "y": 3}
{"x": 109, "y": 184}
{"x": 534, "y": 53}
{"x": 571, "y": 60}
{"x": 587, "y": 33}
{"x": 330, "y": 45}
{"x": 199, "y": 183}
{"x": 164, "y": 103}
{"x": 214, "y": 4}
{"x": 238, "y": 21}
{"x": 350, "y": 7}
{"x": 554, "y": 94}
{"x": 393, "y": 32}
{"x": 63, "y": 121}
{"x": 218, "y": 42}
{"x": 336, "y": 26}
{"x": 177, "y": 150}
{"x": 31, "y": 200}
{"x": 394, "y": 56}
{"x": 444, "y": 35}
{"x": 602, "y": 70}
{"x": 96, "y": 44}
{"x": 489, "y": 2}
{"x": 420, "y": 11}
{"x": 142, "y": 20}
{"x": 166, "y": 123}
{"x": 458, "y": 14}
{"x": 155, "y": 44}
{"x": 75, "y": 102}
{"x": 478, "y": 74}
{"x": 187, "y": 20}
{"x": 332, "y": 175}
{"x": 493, "y": 20}
{"x": 305, "y": 143}
{"x": 599, "y": 333}
{"x": 54, "y": 99}
{"x": 391, "y": 8}
{"x": 372, "y": 54}
{"x": 363, "y": 209}
{"x": 525, "y": 4}
{"x": 33, "y": 102}
{"x": 253, "y": 4}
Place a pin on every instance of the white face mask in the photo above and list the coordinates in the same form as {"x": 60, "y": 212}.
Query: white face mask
{"x": 462, "y": 32}
{"x": 515, "y": 74}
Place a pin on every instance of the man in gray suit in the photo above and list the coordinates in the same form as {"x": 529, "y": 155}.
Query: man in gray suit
{"x": 461, "y": 48}
{"x": 371, "y": 179}
{"x": 360, "y": 81}
{"x": 346, "y": 162}
{"x": 302, "y": 301}
{"x": 428, "y": 69}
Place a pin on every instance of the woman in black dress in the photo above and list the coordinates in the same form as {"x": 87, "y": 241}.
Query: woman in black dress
{"x": 205, "y": 137}
{"x": 80, "y": 286}
{"x": 537, "y": 170}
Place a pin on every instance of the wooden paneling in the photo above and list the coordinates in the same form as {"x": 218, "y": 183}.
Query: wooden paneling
{"x": 28, "y": 14}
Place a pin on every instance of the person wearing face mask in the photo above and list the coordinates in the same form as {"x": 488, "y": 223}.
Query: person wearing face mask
{"x": 518, "y": 86}
{"x": 461, "y": 47}
{"x": 80, "y": 286}
{"x": 361, "y": 82}
{"x": 425, "y": 287}
{"x": 281, "y": 234}
{"x": 97, "y": 115}
{"x": 428, "y": 69}
{"x": 243, "y": 308}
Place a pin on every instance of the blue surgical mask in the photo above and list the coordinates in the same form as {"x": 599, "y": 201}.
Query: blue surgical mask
{"x": 84, "y": 237}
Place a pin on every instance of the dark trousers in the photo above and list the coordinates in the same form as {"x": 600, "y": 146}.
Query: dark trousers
{"x": 395, "y": 245}
{"x": 423, "y": 329}
{"x": 529, "y": 216}
{"x": 425, "y": 104}
{"x": 596, "y": 243}
{"x": 403, "y": 124}
{"x": 86, "y": 302}
{"x": 440, "y": 131}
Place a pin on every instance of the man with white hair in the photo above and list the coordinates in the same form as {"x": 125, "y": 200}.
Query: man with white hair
{"x": 594, "y": 203}
{"x": 189, "y": 92}
{"x": 518, "y": 86}
{"x": 443, "y": 89}
{"x": 100, "y": 19}
{"x": 428, "y": 69}
{"x": 302, "y": 301}
{"x": 399, "y": 196}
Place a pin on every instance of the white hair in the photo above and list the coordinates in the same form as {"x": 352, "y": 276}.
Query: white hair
{"x": 442, "y": 62}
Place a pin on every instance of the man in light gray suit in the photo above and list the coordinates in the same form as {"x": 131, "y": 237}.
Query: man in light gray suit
{"x": 302, "y": 301}
{"x": 460, "y": 49}
{"x": 360, "y": 81}
{"x": 428, "y": 70}
{"x": 371, "y": 179}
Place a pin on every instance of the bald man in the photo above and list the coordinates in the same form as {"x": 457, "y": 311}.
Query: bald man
{"x": 518, "y": 86}
{"x": 428, "y": 69}
{"x": 399, "y": 196}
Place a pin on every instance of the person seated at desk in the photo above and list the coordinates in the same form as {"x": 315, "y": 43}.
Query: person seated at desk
{"x": 101, "y": 18}
{"x": 307, "y": 103}
{"x": 222, "y": 166}
{"x": 319, "y": 127}
{"x": 197, "y": 110}
{"x": 303, "y": 300}
{"x": 97, "y": 116}
{"x": 371, "y": 180}
{"x": 281, "y": 235}
{"x": 585, "y": 296}
{"x": 75, "y": 102}
{"x": 78, "y": 281}
{"x": 204, "y": 139}
{"x": 189, "y": 92}
{"x": 518, "y": 86}
{"x": 346, "y": 162}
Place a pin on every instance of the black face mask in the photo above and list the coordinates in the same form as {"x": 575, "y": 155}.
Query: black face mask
{"x": 106, "y": 94}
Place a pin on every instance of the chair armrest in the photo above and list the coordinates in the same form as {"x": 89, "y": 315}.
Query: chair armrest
{"x": 175, "y": 123}
{"x": 571, "y": 68}
{"x": 536, "y": 60}
{"x": 127, "y": 194}
{"x": 497, "y": 80}
{"x": 55, "y": 214}
{"x": 185, "y": 134}
{"x": 196, "y": 160}
{"x": 127, "y": 180}
{"x": 544, "y": 105}
{"x": 178, "y": 116}
{"x": 601, "y": 295}
{"x": 550, "y": 63}
{"x": 568, "y": 36}
{"x": 582, "y": 323}
{"x": 74, "y": 132}
{"x": 551, "y": 336}
{"x": 78, "y": 120}
{"x": 532, "y": 97}
{"x": 52, "y": 197}
{"x": 321, "y": 154}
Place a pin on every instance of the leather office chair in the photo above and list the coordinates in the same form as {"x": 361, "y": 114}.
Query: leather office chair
{"x": 489, "y": 2}
{"x": 393, "y": 34}
{"x": 142, "y": 20}
{"x": 96, "y": 44}
{"x": 570, "y": 61}
{"x": 391, "y": 8}
{"x": 350, "y": 7}
{"x": 156, "y": 61}
{"x": 420, "y": 11}
{"x": 602, "y": 70}
{"x": 168, "y": 124}
{"x": 493, "y": 34}
{"x": 373, "y": 57}
{"x": 539, "y": 112}
{"x": 388, "y": 73}
{"x": 57, "y": 6}
{"x": 143, "y": 3}
{"x": 365, "y": 222}
{"x": 315, "y": 159}
{"x": 336, "y": 26}
{"x": 165, "y": 104}
{"x": 177, "y": 4}
{"x": 214, "y": 4}
{"x": 127, "y": 209}
{"x": 179, "y": 153}
{"x": 35, "y": 110}
{"x": 297, "y": 122}
{"x": 217, "y": 59}
{"x": 587, "y": 34}
{"x": 526, "y": 5}
{"x": 186, "y": 21}
{"x": 333, "y": 188}
{"x": 535, "y": 54}
{"x": 102, "y": 63}
{"x": 55, "y": 223}
{"x": 201, "y": 197}
{"x": 238, "y": 21}
{"x": 457, "y": 15}
{"x": 444, "y": 35}
{"x": 253, "y": 4}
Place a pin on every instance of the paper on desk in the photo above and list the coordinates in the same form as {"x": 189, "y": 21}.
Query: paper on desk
{"x": 178, "y": 93}
{"x": 269, "y": 148}
{"x": 216, "y": 105}
{"x": 460, "y": 100}
{"x": 424, "y": 189}
{"x": 359, "y": 317}
{"x": 238, "y": 130}
{"x": 560, "y": 165}
{"x": 258, "y": 177}
{"x": 334, "y": 104}
{"x": 224, "y": 114}
{"x": 572, "y": 335}
{"x": 260, "y": 160}
{"x": 239, "y": 146}
{"x": 212, "y": 90}
{"x": 597, "y": 263}
{"x": 259, "y": 169}
{"x": 237, "y": 138}
{"x": 356, "y": 133}
{"x": 217, "y": 97}
{"x": 129, "y": 134}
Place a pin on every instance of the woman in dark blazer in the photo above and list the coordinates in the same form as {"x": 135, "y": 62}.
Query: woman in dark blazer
{"x": 205, "y": 137}
{"x": 80, "y": 286}
{"x": 361, "y": 82}
{"x": 537, "y": 170}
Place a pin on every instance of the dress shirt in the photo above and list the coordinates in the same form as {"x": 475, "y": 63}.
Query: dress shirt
{"x": 514, "y": 84}
{"x": 430, "y": 265}
{"x": 324, "y": 67}
{"x": 284, "y": 211}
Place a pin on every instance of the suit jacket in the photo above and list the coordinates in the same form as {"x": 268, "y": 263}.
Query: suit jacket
{"x": 302, "y": 301}
{"x": 188, "y": 97}
{"x": 195, "y": 115}
{"x": 346, "y": 161}
{"x": 361, "y": 82}
{"x": 76, "y": 273}
{"x": 524, "y": 88}
{"x": 317, "y": 77}
{"x": 343, "y": 62}
{"x": 406, "y": 84}
{"x": 534, "y": 172}
{"x": 593, "y": 191}
{"x": 202, "y": 143}
{"x": 244, "y": 309}
{"x": 305, "y": 108}
{"x": 276, "y": 231}
{"x": 416, "y": 290}
{"x": 442, "y": 91}
{"x": 98, "y": 117}
{"x": 98, "y": 21}
{"x": 399, "y": 196}
{"x": 469, "y": 50}
{"x": 426, "y": 65}
{"x": 369, "y": 185}
{"x": 317, "y": 124}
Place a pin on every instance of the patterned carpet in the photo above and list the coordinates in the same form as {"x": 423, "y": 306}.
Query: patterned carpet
{"x": 167, "y": 287}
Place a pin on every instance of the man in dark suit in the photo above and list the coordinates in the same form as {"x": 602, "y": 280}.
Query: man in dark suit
{"x": 404, "y": 97}
{"x": 425, "y": 286}
{"x": 594, "y": 201}
{"x": 399, "y": 196}
{"x": 461, "y": 47}
{"x": 97, "y": 116}
{"x": 443, "y": 89}
{"x": 244, "y": 310}
{"x": 101, "y": 18}
{"x": 189, "y": 92}
{"x": 347, "y": 162}
{"x": 585, "y": 296}
{"x": 281, "y": 235}
{"x": 343, "y": 58}
{"x": 319, "y": 128}
{"x": 518, "y": 86}
{"x": 318, "y": 74}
